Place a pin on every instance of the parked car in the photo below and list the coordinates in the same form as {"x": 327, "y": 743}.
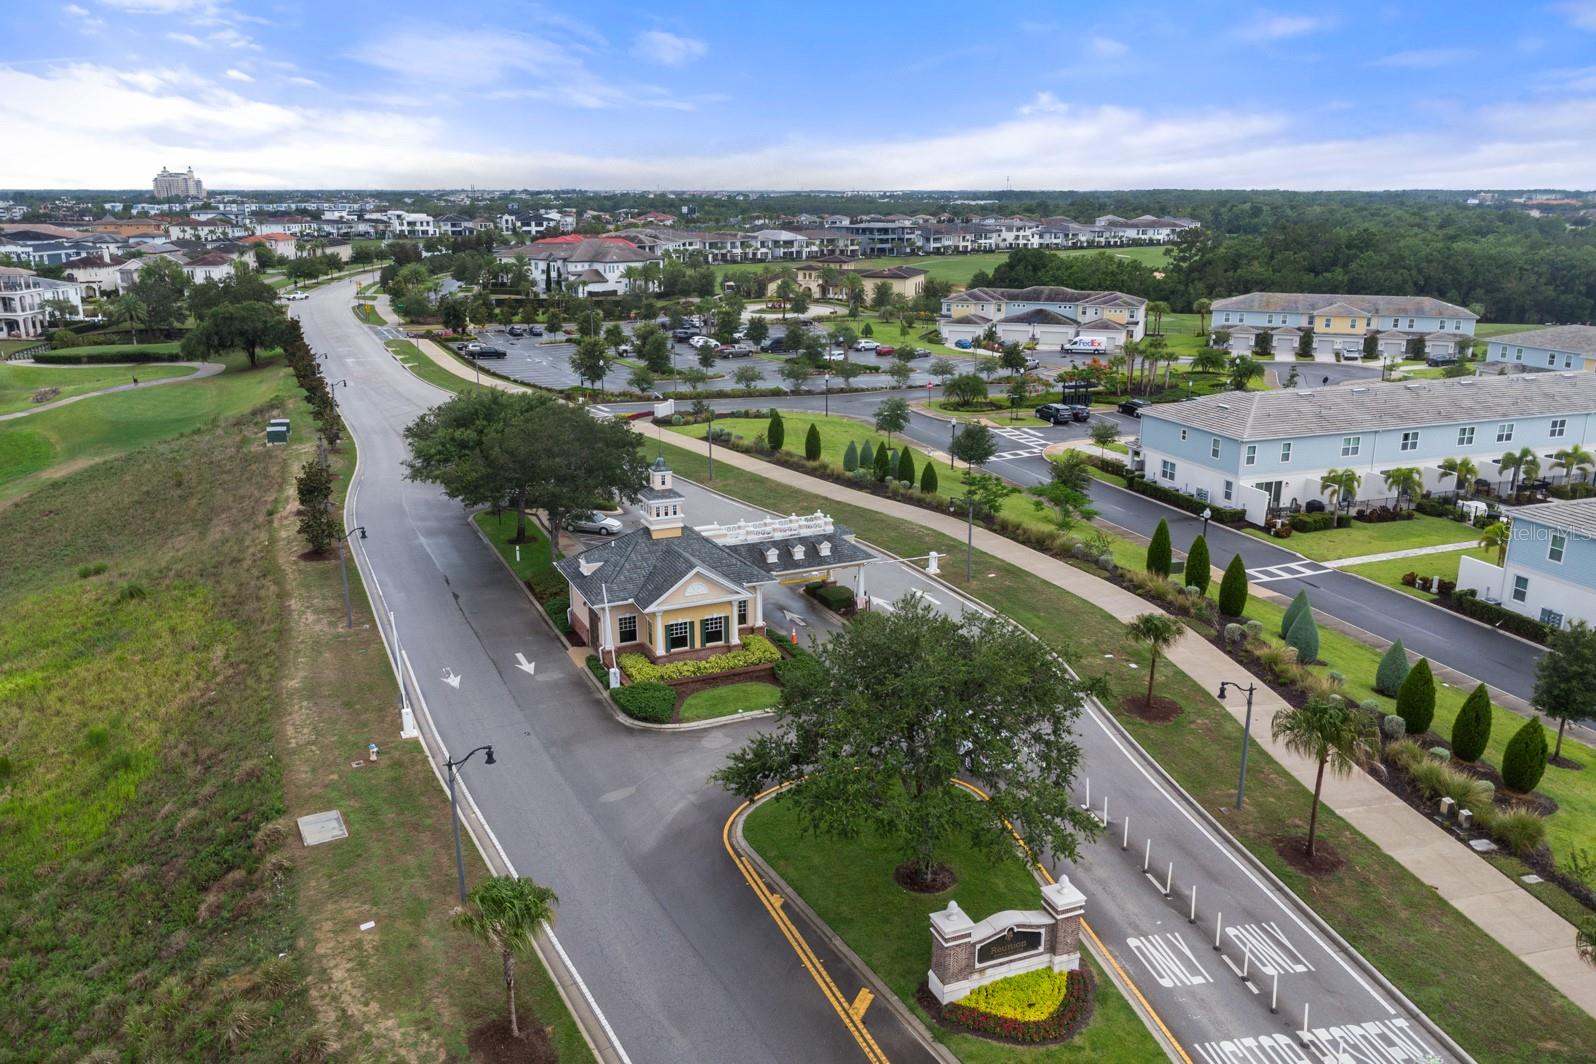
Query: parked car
{"x": 1085, "y": 345}
{"x": 515, "y": 330}
{"x": 963, "y": 345}
{"x": 1133, "y": 407}
{"x": 681, "y": 336}
{"x": 735, "y": 350}
{"x": 471, "y": 347}
{"x": 489, "y": 351}
{"x": 594, "y": 522}
{"x": 774, "y": 344}
{"x": 836, "y": 356}
{"x": 704, "y": 341}
{"x": 886, "y": 350}
{"x": 1441, "y": 360}
{"x": 1031, "y": 363}
{"x": 534, "y": 330}
{"x": 865, "y": 345}
{"x": 913, "y": 352}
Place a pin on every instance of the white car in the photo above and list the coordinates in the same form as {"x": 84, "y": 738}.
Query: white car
{"x": 836, "y": 356}
{"x": 866, "y": 345}
{"x": 704, "y": 341}
{"x": 594, "y": 522}
{"x": 297, "y": 295}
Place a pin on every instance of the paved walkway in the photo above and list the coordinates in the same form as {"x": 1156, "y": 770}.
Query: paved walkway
{"x": 201, "y": 369}
{"x": 1414, "y": 552}
{"x": 1500, "y": 907}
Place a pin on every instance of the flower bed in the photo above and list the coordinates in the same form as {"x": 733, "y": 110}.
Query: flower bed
{"x": 1073, "y": 1011}
{"x": 756, "y": 650}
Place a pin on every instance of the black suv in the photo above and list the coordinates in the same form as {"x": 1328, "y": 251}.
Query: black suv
{"x": 774, "y": 344}
{"x": 1061, "y": 414}
{"x": 488, "y": 351}
{"x": 1133, "y": 407}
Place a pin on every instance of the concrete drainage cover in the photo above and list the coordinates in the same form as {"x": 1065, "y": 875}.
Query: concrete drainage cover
{"x": 318, "y": 828}
{"x": 1481, "y": 845}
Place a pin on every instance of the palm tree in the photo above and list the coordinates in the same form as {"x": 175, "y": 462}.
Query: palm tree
{"x": 1243, "y": 368}
{"x": 1159, "y": 631}
{"x": 1495, "y": 535}
{"x": 505, "y": 912}
{"x": 1334, "y": 734}
{"x": 1156, "y": 310}
{"x": 1464, "y": 469}
{"x": 1515, "y": 461}
{"x": 1404, "y": 480}
{"x": 1202, "y": 307}
{"x": 1339, "y": 485}
{"x": 1572, "y": 460}
{"x": 1209, "y": 360}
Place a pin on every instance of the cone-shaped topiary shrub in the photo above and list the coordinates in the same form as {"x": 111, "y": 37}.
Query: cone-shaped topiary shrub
{"x": 812, "y": 443}
{"x": 1472, "y": 729}
{"x": 1160, "y": 554}
{"x": 1233, "y": 588}
{"x": 850, "y": 457}
{"x": 1198, "y": 567}
{"x": 1304, "y": 636}
{"x": 906, "y": 465}
{"x": 1416, "y": 698}
{"x": 928, "y": 479}
{"x": 1524, "y": 761}
{"x": 1392, "y": 671}
{"x": 1293, "y": 611}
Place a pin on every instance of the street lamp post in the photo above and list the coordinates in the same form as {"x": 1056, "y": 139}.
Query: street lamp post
{"x": 454, "y": 811}
{"x": 827, "y": 380}
{"x": 343, "y": 572}
{"x": 1207, "y": 513}
{"x": 1246, "y": 734}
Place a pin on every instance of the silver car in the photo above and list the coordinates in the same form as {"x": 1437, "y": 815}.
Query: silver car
{"x": 594, "y": 522}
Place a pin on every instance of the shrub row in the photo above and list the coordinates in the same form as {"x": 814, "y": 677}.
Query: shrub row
{"x": 131, "y": 353}
{"x": 1109, "y": 465}
{"x": 1470, "y": 605}
{"x": 835, "y": 597}
{"x": 649, "y": 701}
{"x": 1519, "y": 830}
{"x": 756, "y": 650}
{"x": 1380, "y": 515}
{"x": 1313, "y": 522}
{"x": 1070, "y": 1016}
{"x": 1225, "y": 515}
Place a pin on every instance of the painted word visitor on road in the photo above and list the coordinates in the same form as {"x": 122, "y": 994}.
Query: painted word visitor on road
{"x": 1375, "y": 1042}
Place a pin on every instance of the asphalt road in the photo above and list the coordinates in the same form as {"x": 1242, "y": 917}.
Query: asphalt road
{"x": 1501, "y": 661}
{"x": 679, "y": 956}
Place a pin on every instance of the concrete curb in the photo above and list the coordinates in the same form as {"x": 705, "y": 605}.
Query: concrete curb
{"x": 603, "y": 693}
{"x": 795, "y": 901}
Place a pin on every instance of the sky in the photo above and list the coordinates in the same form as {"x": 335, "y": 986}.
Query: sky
{"x": 708, "y": 95}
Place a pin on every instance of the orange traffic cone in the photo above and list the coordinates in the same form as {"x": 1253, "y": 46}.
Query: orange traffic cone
{"x": 795, "y": 635}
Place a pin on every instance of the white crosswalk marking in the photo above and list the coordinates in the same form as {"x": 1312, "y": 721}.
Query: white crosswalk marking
{"x": 1287, "y": 571}
{"x": 1031, "y": 443}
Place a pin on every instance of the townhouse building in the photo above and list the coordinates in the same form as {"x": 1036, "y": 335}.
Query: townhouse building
{"x": 1342, "y": 324}
{"x": 1549, "y": 570}
{"x": 1268, "y": 451}
{"x": 98, "y": 275}
{"x": 282, "y": 245}
{"x": 22, "y": 310}
{"x": 596, "y": 265}
{"x": 1559, "y": 347}
{"x": 1050, "y": 315}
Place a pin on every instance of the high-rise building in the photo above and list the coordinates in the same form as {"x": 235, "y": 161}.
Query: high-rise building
{"x": 169, "y": 184}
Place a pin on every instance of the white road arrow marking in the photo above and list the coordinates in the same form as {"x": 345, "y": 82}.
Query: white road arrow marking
{"x": 523, "y": 664}
{"x": 452, "y": 678}
{"x": 793, "y": 618}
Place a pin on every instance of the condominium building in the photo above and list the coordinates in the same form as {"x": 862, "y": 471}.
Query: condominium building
{"x": 22, "y": 310}
{"x": 169, "y": 184}
{"x": 1048, "y": 314}
{"x": 1558, "y": 347}
{"x": 1549, "y": 571}
{"x": 1342, "y": 324}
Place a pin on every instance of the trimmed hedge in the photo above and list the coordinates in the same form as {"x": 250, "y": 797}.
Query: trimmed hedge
{"x": 1416, "y": 698}
{"x": 756, "y": 650}
{"x": 1159, "y": 551}
{"x": 1199, "y": 570}
{"x": 650, "y": 701}
{"x": 1070, "y": 1016}
{"x": 837, "y": 598}
{"x": 1471, "y": 731}
{"x": 1313, "y": 522}
{"x": 1225, "y": 515}
{"x": 1233, "y": 588}
{"x": 1392, "y": 670}
{"x": 79, "y": 356}
{"x": 1298, "y": 607}
{"x": 1470, "y": 605}
{"x": 1304, "y": 636}
{"x": 1524, "y": 760}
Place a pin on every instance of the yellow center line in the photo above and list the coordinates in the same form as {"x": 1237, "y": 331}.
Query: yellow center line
{"x": 851, "y": 1021}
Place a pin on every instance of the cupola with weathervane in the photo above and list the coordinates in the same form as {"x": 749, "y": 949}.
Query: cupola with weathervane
{"x": 662, "y": 503}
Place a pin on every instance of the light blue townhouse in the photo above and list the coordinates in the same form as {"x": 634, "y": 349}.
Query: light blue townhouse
{"x": 1549, "y": 572}
{"x": 1557, "y": 347}
{"x": 1262, "y": 451}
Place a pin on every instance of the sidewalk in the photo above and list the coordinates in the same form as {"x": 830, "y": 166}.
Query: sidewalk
{"x": 1413, "y": 552}
{"x": 1509, "y": 914}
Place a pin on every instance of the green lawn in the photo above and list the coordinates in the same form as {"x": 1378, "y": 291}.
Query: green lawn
{"x": 1354, "y": 539}
{"x": 97, "y": 428}
{"x": 730, "y": 700}
{"x": 1484, "y": 330}
{"x": 1443, "y": 565}
{"x": 1528, "y": 1020}
{"x": 100, "y": 349}
{"x": 18, "y": 383}
{"x": 8, "y": 346}
{"x": 958, "y": 269}
{"x": 411, "y": 358}
{"x": 849, "y": 883}
{"x": 530, "y": 559}
{"x": 367, "y": 312}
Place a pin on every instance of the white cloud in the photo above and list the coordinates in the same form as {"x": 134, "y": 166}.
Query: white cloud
{"x": 75, "y": 10}
{"x": 1273, "y": 26}
{"x": 186, "y": 38}
{"x": 1424, "y": 58}
{"x": 1581, "y": 13}
{"x": 667, "y": 49}
{"x": 234, "y": 74}
{"x": 1108, "y": 47}
{"x": 308, "y": 83}
{"x": 161, "y": 7}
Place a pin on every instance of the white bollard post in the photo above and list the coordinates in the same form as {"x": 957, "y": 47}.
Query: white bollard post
{"x": 1105, "y": 810}
{"x": 1192, "y": 919}
{"x": 1246, "y": 961}
{"x": 1088, "y": 803}
{"x": 1147, "y": 855}
{"x": 1219, "y": 925}
{"x": 1169, "y": 879}
{"x": 1305, "y": 1027}
{"x": 1124, "y": 842}
{"x": 1274, "y": 995}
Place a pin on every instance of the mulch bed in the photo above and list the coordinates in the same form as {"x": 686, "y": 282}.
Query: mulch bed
{"x": 1159, "y": 710}
{"x": 942, "y": 879}
{"x": 1074, "y": 1013}
{"x": 1293, "y": 849}
{"x": 1480, "y": 770}
{"x": 1565, "y": 763}
{"x": 492, "y": 1043}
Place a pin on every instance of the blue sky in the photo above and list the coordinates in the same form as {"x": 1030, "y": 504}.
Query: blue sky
{"x": 288, "y": 93}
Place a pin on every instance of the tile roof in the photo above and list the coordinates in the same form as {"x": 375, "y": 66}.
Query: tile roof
{"x": 1577, "y": 516}
{"x": 1039, "y": 316}
{"x": 900, "y": 273}
{"x": 1309, "y": 303}
{"x": 1574, "y": 339}
{"x": 638, "y": 568}
{"x": 1046, "y": 294}
{"x": 1373, "y": 407}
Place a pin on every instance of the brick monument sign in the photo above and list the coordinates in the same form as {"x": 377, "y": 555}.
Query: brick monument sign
{"x": 966, "y": 954}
